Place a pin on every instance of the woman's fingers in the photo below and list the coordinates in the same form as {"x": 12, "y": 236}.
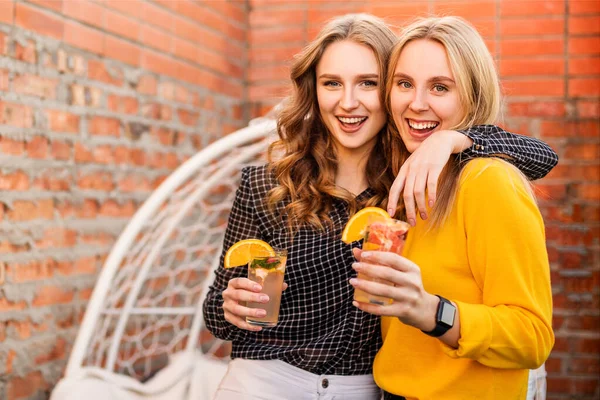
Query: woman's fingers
{"x": 419, "y": 191}
{"x": 409, "y": 198}
{"x": 395, "y": 191}
{"x": 241, "y": 323}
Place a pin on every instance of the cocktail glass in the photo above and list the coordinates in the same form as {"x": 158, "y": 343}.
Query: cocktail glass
{"x": 268, "y": 272}
{"x": 382, "y": 234}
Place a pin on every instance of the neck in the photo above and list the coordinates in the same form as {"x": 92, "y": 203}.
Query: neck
{"x": 351, "y": 174}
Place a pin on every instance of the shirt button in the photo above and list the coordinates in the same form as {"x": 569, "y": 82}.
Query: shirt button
{"x": 325, "y": 383}
{"x": 477, "y": 146}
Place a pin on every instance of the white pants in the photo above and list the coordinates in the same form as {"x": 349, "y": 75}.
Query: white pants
{"x": 277, "y": 380}
{"x": 537, "y": 384}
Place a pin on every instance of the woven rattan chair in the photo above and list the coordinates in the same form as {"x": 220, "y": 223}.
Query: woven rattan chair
{"x": 146, "y": 308}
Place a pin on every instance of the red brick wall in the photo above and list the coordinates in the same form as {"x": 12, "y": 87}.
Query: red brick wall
{"x": 548, "y": 54}
{"x": 99, "y": 102}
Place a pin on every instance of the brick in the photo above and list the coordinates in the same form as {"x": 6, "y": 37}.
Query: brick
{"x": 57, "y": 238}
{"x": 269, "y": 73}
{"x": 7, "y": 305}
{"x": 83, "y": 37}
{"x": 528, "y": 47}
{"x": 533, "y": 8}
{"x": 55, "y": 5}
{"x": 584, "y": 66}
{"x": 468, "y": 10}
{"x": 60, "y": 150}
{"x": 267, "y": 92}
{"x": 187, "y": 117}
{"x": 264, "y": 37}
{"x": 146, "y": 85}
{"x": 51, "y": 295}
{"x": 35, "y": 86}
{"x": 135, "y": 183}
{"x": 17, "y": 181}
{"x": 82, "y": 266}
{"x": 62, "y": 121}
{"x": 584, "y": 24}
{"x": 101, "y": 181}
{"x": 584, "y": 45}
{"x": 528, "y": 67}
{"x": 37, "y": 147}
{"x": 104, "y": 126}
{"x": 589, "y": 191}
{"x": 121, "y": 25}
{"x": 158, "y": 17}
{"x": 584, "y": 7}
{"x": 97, "y": 70}
{"x": 588, "y": 109}
{"x": 3, "y": 75}
{"x": 6, "y": 12}
{"x": 584, "y": 151}
{"x": 26, "y": 52}
{"x": 570, "y": 128}
{"x": 55, "y": 180}
{"x": 11, "y": 146}
{"x": 541, "y": 87}
{"x": 82, "y": 154}
{"x": 584, "y": 87}
{"x": 537, "y": 109}
{"x": 121, "y": 50}
{"x": 100, "y": 239}
{"x": 272, "y": 55}
{"x": 287, "y": 17}
{"x": 57, "y": 352}
{"x": 27, "y": 386}
{"x": 129, "y": 7}
{"x": 122, "y": 104}
{"x": 16, "y": 115}
{"x": 84, "y": 96}
{"x": 156, "y": 38}
{"x": 38, "y": 21}
{"x": 532, "y": 27}
{"x": 110, "y": 208}
{"x": 84, "y": 11}
{"x": 32, "y": 271}
{"x": 23, "y": 210}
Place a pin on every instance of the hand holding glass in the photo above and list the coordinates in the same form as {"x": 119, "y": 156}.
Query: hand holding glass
{"x": 268, "y": 272}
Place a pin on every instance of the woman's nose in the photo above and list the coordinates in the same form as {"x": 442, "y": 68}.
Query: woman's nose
{"x": 349, "y": 100}
{"x": 419, "y": 102}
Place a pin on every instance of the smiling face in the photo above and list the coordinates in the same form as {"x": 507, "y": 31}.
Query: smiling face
{"x": 348, "y": 92}
{"x": 424, "y": 97}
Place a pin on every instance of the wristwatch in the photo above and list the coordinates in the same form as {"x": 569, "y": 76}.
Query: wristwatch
{"x": 444, "y": 318}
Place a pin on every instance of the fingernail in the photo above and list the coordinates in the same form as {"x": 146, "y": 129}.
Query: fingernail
{"x": 430, "y": 203}
{"x": 355, "y": 303}
{"x": 261, "y": 313}
{"x": 353, "y": 281}
{"x": 412, "y": 222}
{"x": 390, "y": 211}
{"x": 264, "y": 298}
{"x": 365, "y": 255}
{"x": 423, "y": 216}
{"x": 356, "y": 266}
{"x": 257, "y": 288}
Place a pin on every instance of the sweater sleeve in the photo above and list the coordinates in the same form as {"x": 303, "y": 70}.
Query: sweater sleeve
{"x": 241, "y": 225}
{"x": 532, "y": 156}
{"x": 507, "y": 255}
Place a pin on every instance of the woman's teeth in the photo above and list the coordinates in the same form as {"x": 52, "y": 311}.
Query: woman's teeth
{"x": 351, "y": 120}
{"x": 422, "y": 125}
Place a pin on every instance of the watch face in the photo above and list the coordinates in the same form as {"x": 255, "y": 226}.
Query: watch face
{"x": 447, "y": 317}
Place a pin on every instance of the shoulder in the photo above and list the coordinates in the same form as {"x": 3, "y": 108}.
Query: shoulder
{"x": 493, "y": 178}
{"x": 258, "y": 178}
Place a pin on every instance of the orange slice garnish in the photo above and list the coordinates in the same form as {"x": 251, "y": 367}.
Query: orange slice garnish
{"x": 242, "y": 252}
{"x": 356, "y": 226}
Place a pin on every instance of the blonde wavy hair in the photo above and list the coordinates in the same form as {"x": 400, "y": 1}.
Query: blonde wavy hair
{"x": 306, "y": 164}
{"x": 478, "y": 86}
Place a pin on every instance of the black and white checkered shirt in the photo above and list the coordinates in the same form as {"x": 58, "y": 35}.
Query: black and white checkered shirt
{"x": 319, "y": 330}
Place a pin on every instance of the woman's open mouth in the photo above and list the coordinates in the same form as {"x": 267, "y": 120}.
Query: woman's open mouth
{"x": 351, "y": 124}
{"x": 421, "y": 128}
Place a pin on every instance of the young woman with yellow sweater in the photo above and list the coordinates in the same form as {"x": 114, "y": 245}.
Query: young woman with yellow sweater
{"x": 472, "y": 305}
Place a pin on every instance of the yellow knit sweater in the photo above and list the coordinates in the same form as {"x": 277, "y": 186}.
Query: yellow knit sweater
{"x": 490, "y": 259}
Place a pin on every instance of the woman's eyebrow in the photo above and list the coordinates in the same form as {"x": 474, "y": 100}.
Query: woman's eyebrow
{"x": 361, "y": 76}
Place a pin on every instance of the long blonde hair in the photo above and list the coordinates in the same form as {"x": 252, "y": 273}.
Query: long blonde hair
{"x": 478, "y": 86}
{"x": 306, "y": 169}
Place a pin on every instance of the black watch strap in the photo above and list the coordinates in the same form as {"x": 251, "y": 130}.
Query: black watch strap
{"x": 444, "y": 318}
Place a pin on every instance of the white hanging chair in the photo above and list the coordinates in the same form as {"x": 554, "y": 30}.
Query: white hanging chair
{"x": 145, "y": 314}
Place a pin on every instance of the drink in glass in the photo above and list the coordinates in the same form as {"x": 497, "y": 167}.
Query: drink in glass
{"x": 268, "y": 272}
{"x": 382, "y": 234}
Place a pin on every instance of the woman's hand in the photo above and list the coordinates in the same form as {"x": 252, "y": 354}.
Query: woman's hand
{"x": 412, "y": 304}
{"x": 242, "y": 290}
{"x": 422, "y": 170}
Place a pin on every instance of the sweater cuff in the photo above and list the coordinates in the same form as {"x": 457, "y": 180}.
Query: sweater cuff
{"x": 480, "y": 146}
{"x": 475, "y": 332}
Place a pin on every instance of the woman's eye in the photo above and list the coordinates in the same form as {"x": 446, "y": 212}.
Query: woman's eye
{"x": 370, "y": 83}
{"x": 404, "y": 84}
{"x": 440, "y": 88}
{"x": 331, "y": 84}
